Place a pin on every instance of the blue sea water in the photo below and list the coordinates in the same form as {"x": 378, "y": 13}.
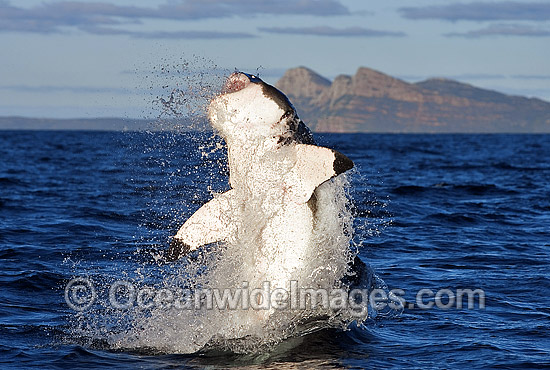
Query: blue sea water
{"x": 432, "y": 212}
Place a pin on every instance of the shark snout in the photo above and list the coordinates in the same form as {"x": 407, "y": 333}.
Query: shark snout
{"x": 236, "y": 82}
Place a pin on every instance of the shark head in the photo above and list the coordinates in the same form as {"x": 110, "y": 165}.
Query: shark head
{"x": 250, "y": 109}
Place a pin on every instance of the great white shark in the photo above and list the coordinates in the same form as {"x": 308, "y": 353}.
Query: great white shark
{"x": 277, "y": 174}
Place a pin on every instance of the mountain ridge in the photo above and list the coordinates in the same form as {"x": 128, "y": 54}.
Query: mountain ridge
{"x": 371, "y": 101}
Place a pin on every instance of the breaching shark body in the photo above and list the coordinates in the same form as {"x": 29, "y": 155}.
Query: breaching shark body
{"x": 279, "y": 178}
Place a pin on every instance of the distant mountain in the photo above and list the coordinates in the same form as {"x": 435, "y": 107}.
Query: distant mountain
{"x": 92, "y": 124}
{"x": 371, "y": 101}
{"x": 100, "y": 124}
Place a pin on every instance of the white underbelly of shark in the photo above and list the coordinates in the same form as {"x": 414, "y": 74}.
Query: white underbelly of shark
{"x": 285, "y": 222}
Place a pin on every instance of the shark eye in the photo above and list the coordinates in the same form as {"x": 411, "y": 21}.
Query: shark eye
{"x": 253, "y": 78}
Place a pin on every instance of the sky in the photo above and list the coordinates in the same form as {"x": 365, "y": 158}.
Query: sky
{"x": 107, "y": 58}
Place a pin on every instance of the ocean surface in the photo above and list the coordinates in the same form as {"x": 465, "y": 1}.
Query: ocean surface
{"x": 434, "y": 215}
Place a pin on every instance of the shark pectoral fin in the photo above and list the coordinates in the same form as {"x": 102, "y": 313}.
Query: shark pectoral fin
{"x": 176, "y": 249}
{"x": 209, "y": 224}
{"x": 314, "y": 166}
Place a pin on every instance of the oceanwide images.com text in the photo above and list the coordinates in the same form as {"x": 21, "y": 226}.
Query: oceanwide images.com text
{"x": 81, "y": 295}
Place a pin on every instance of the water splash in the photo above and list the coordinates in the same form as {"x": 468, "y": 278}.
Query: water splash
{"x": 170, "y": 329}
{"x": 228, "y": 267}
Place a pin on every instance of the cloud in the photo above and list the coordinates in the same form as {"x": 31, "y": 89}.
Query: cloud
{"x": 458, "y": 77}
{"x": 531, "y": 77}
{"x": 199, "y": 9}
{"x": 92, "y": 17}
{"x": 191, "y": 35}
{"x": 168, "y": 35}
{"x": 503, "y": 30}
{"x": 332, "y": 32}
{"x": 481, "y": 11}
{"x": 477, "y": 76}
